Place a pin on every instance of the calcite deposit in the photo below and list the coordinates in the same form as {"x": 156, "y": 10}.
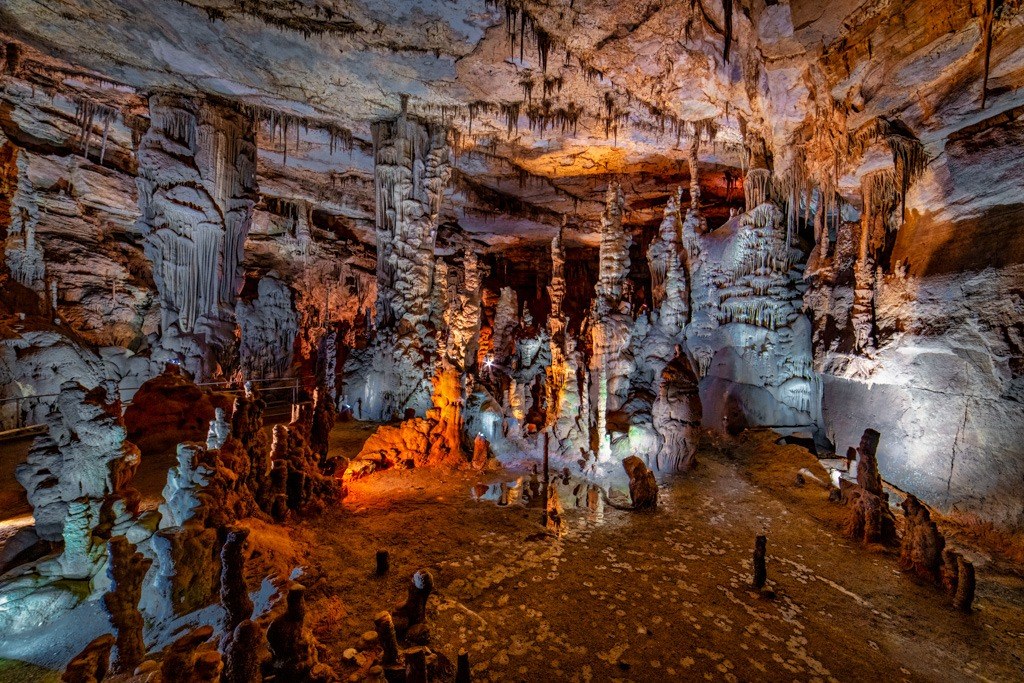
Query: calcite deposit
{"x": 257, "y": 255}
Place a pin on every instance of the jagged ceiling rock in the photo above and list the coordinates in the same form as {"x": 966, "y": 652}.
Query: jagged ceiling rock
{"x": 547, "y": 100}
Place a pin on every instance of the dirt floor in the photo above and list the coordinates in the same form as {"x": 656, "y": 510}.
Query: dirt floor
{"x": 625, "y": 596}
{"x": 661, "y": 596}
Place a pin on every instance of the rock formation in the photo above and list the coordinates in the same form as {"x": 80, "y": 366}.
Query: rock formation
{"x": 245, "y": 654}
{"x": 566, "y": 387}
{"x": 197, "y": 186}
{"x": 293, "y": 649}
{"x": 91, "y": 664}
{"x": 192, "y": 657}
{"x": 922, "y": 545}
{"x": 677, "y": 416}
{"x": 127, "y": 569}
{"x": 269, "y": 325}
{"x": 234, "y": 595}
{"x": 169, "y": 409}
{"x": 748, "y": 335}
{"x": 870, "y": 519}
{"x": 85, "y": 454}
{"x": 188, "y": 554}
{"x": 610, "y": 322}
{"x": 413, "y": 611}
{"x": 411, "y": 170}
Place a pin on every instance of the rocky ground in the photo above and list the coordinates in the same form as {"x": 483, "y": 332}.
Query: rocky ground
{"x": 638, "y": 597}
{"x": 627, "y": 596}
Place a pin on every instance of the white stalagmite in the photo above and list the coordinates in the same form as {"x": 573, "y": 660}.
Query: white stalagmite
{"x": 411, "y": 171}
{"x": 506, "y": 318}
{"x": 566, "y": 415}
{"x": 85, "y": 453}
{"x": 462, "y": 316}
{"x": 610, "y": 320}
{"x": 197, "y": 188}
{"x": 666, "y": 407}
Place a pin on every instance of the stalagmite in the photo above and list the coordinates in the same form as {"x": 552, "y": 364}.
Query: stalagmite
{"x": 747, "y": 334}
{"x": 293, "y": 648}
{"x": 922, "y": 545}
{"x": 127, "y": 571}
{"x": 411, "y": 170}
{"x": 610, "y": 321}
{"x": 84, "y": 455}
{"x": 383, "y": 562}
{"x": 192, "y": 657}
{"x": 643, "y": 488}
{"x": 234, "y": 595}
{"x": 414, "y": 610}
{"x": 244, "y": 654}
{"x": 91, "y": 664}
{"x": 462, "y": 671}
{"x": 388, "y": 640}
{"x": 870, "y": 519}
{"x": 760, "y": 551}
{"x": 963, "y": 599}
{"x": 677, "y": 415}
{"x": 566, "y": 414}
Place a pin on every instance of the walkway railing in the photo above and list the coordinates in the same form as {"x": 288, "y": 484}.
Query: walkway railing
{"x": 284, "y": 394}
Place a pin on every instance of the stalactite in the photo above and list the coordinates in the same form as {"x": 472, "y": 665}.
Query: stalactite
{"x": 727, "y": 11}
{"x": 757, "y": 187}
{"x": 693, "y": 159}
{"x": 86, "y": 114}
{"x": 987, "y": 22}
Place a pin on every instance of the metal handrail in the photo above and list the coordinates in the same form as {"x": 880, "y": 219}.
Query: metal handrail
{"x": 232, "y": 385}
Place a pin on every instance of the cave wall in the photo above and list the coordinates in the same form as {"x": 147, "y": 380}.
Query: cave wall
{"x": 944, "y": 385}
{"x": 80, "y": 299}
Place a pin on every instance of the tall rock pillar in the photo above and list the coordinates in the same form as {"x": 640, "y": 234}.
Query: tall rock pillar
{"x": 610, "y": 320}
{"x": 412, "y": 166}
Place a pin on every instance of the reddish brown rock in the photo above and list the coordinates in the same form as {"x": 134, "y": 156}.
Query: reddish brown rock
{"x": 234, "y": 594}
{"x": 245, "y": 651}
{"x": 293, "y": 649}
{"x": 643, "y": 487}
{"x": 91, "y": 664}
{"x": 922, "y": 546}
{"x": 414, "y": 610}
{"x": 193, "y": 658}
{"x": 169, "y": 409}
{"x": 870, "y": 520}
{"x": 127, "y": 570}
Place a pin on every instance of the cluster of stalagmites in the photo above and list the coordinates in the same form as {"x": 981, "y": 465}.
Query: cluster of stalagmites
{"x": 923, "y": 551}
{"x": 277, "y": 644}
{"x": 398, "y": 650}
{"x": 158, "y": 565}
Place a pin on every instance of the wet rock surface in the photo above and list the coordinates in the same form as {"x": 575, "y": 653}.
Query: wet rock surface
{"x": 518, "y": 602}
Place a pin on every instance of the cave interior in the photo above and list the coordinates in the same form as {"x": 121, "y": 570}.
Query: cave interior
{"x": 511, "y": 340}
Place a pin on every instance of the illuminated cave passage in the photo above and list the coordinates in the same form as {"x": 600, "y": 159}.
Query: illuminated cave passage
{"x": 511, "y": 341}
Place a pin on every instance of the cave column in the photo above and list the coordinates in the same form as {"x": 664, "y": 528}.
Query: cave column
{"x": 197, "y": 189}
{"x": 862, "y": 314}
{"x": 412, "y": 166}
{"x": 566, "y": 410}
{"x": 610, "y": 319}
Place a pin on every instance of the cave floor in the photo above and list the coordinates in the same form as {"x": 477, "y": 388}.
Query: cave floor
{"x": 625, "y": 596}
{"x": 639, "y": 597}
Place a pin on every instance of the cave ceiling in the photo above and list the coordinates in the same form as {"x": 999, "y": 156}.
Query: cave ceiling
{"x": 545, "y": 101}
